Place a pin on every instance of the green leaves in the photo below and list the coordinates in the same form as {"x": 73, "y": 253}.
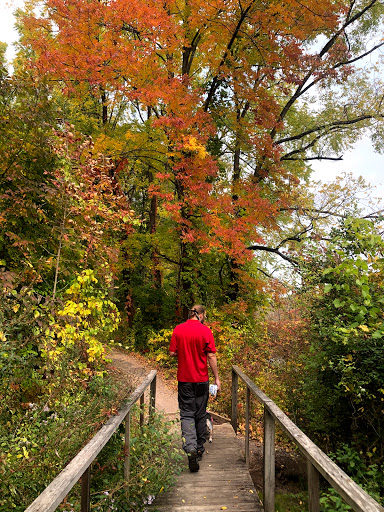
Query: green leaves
{"x": 338, "y": 303}
{"x": 348, "y": 329}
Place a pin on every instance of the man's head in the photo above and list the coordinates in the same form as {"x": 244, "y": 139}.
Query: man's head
{"x": 198, "y": 312}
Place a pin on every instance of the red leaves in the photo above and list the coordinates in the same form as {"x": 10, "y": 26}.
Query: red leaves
{"x": 198, "y": 71}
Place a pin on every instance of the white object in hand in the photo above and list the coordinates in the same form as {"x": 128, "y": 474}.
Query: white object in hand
{"x": 213, "y": 389}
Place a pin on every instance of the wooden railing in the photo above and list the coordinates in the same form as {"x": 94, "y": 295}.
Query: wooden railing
{"x": 317, "y": 462}
{"x": 80, "y": 466}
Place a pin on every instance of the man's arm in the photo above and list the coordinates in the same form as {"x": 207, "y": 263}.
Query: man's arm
{"x": 173, "y": 354}
{"x": 212, "y": 360}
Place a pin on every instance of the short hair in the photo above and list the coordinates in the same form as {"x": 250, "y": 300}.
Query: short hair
{"x": 196, "y": 310}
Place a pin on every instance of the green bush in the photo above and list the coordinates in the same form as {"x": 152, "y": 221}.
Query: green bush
{"x": 343, "y": 382}
{"x": 155, "y": 458}
{"x": 39, "y": 439}
{"x": 369, "y": 476}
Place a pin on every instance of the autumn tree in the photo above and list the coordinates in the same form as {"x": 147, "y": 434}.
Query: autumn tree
{"x": 60, "y": 207}
{"x": 212, "y": 112}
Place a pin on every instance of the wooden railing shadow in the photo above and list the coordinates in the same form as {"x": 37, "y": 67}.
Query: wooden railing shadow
{"x": 80, "y": 466}
{"x": 317, "y": 462}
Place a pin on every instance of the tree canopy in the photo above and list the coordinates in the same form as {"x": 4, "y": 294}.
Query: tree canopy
{"x": 212, "y": 112}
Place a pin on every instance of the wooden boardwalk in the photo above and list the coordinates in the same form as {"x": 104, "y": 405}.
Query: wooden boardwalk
{"x": 223, "y": 482}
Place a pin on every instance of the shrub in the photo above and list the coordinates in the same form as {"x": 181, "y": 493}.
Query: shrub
{"x": 154, "y": 460}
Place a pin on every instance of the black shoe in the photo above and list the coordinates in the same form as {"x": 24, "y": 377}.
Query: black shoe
{"x": 200, "y": 455}
{"x": 193, "y": 462}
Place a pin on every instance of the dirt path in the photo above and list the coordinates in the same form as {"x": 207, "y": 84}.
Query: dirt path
{"x": 134, "y": 369}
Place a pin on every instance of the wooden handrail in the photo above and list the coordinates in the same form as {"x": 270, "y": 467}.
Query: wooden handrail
{"x": 80, "y": 465}
{"x": 318, "y": 462}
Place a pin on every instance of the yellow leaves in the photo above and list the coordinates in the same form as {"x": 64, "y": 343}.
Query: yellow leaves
{"x": 110, "y": 146}
{"x": 16, "y": 308}
{"x": 364, "y": 328}
{"x": 194, "y": 146}
{"x": 85, "y": 318}
{"x": 2, "y": 336}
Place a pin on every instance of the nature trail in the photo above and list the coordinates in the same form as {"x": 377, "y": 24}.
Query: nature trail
{"x": 134, "y": 369}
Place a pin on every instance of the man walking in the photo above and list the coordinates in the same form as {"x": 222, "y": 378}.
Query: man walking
{"x": 193, "y": 344}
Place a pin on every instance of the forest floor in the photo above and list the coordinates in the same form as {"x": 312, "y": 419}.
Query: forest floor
{"x": 290, "y": 466}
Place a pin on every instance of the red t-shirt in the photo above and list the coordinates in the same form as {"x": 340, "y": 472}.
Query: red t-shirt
{"x": 191, "y": 341}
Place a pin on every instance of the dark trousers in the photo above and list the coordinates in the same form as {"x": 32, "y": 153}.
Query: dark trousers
{"x": 193, "y": 399}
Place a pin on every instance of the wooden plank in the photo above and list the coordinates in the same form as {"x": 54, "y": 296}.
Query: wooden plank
{"x": 141, "y": 410}
{"x": 234, "y": 400}
{"x": 240, "y": 507}
{"x": 56, "y": 491}
{"x": 247, "y": 421}
{"x": 222, "y": 481}
{"x": 354, "y": 495}
{"x": 152, "y": 397}
{"x": 269, "y": 462}
{"x": 313, "y": 488}
{"x": 212, "y": 487}
{"x": 86, "y": 490}
{"x": 213, "y": 497}
{"x": 127, "y": 446}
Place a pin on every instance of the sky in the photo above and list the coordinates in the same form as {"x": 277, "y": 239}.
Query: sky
{"x": 360, "y": 161}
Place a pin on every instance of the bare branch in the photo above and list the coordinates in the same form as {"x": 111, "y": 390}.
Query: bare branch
{"x": 328, "y": 126}
{"x": 301, "y": 89}
{"x": 275, "y": 251}
{"x": 312, "y": 158}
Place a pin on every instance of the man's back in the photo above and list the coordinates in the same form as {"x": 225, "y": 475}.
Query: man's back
{"x": 191, "y": 341}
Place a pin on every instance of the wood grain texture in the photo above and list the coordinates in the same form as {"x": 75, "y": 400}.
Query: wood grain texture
{"x": 222, "y": 481}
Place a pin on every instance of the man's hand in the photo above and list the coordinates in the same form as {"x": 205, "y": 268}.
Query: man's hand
{"x": 212, "y": 360}
{"x": 172, "y": 354}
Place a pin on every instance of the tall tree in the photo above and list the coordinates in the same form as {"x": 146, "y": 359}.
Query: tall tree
{"x": 230, "y": 87}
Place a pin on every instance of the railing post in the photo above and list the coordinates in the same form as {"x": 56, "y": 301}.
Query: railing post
{"x": 269, "y": 462}
{"x": 127, "y": 446}
{"x": 142, "y": 410}
{"x": 313, "y": 488}
{"x": 85, "y": 490}
{"x": 152, "y": 397}
{"x": 235, "y": 380}
{"x": 247, "y": 420}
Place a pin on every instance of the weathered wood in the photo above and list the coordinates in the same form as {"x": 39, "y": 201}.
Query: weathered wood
{"x": 141, "y": 410}
{"x": 127, "y": 453}
{"x": 247, "y": 421}
{"x": 86, "y": 490}
{"x": 269, "y": 462}
{"x": 234, "y": 400}
{"x": 222, "y": 481}
{"x": 56, "y": 491}
{"x": 354, "y": 495}
{"x": 152, "y": 397}
{"x": 313, "y": 488}
{"x": 236, "y": 507}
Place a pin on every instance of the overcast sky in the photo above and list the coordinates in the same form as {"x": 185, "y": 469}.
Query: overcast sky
{"x": 361, "y": 161}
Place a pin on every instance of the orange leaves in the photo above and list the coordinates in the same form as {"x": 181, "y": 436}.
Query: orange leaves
{"x": 181, "y": 75}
